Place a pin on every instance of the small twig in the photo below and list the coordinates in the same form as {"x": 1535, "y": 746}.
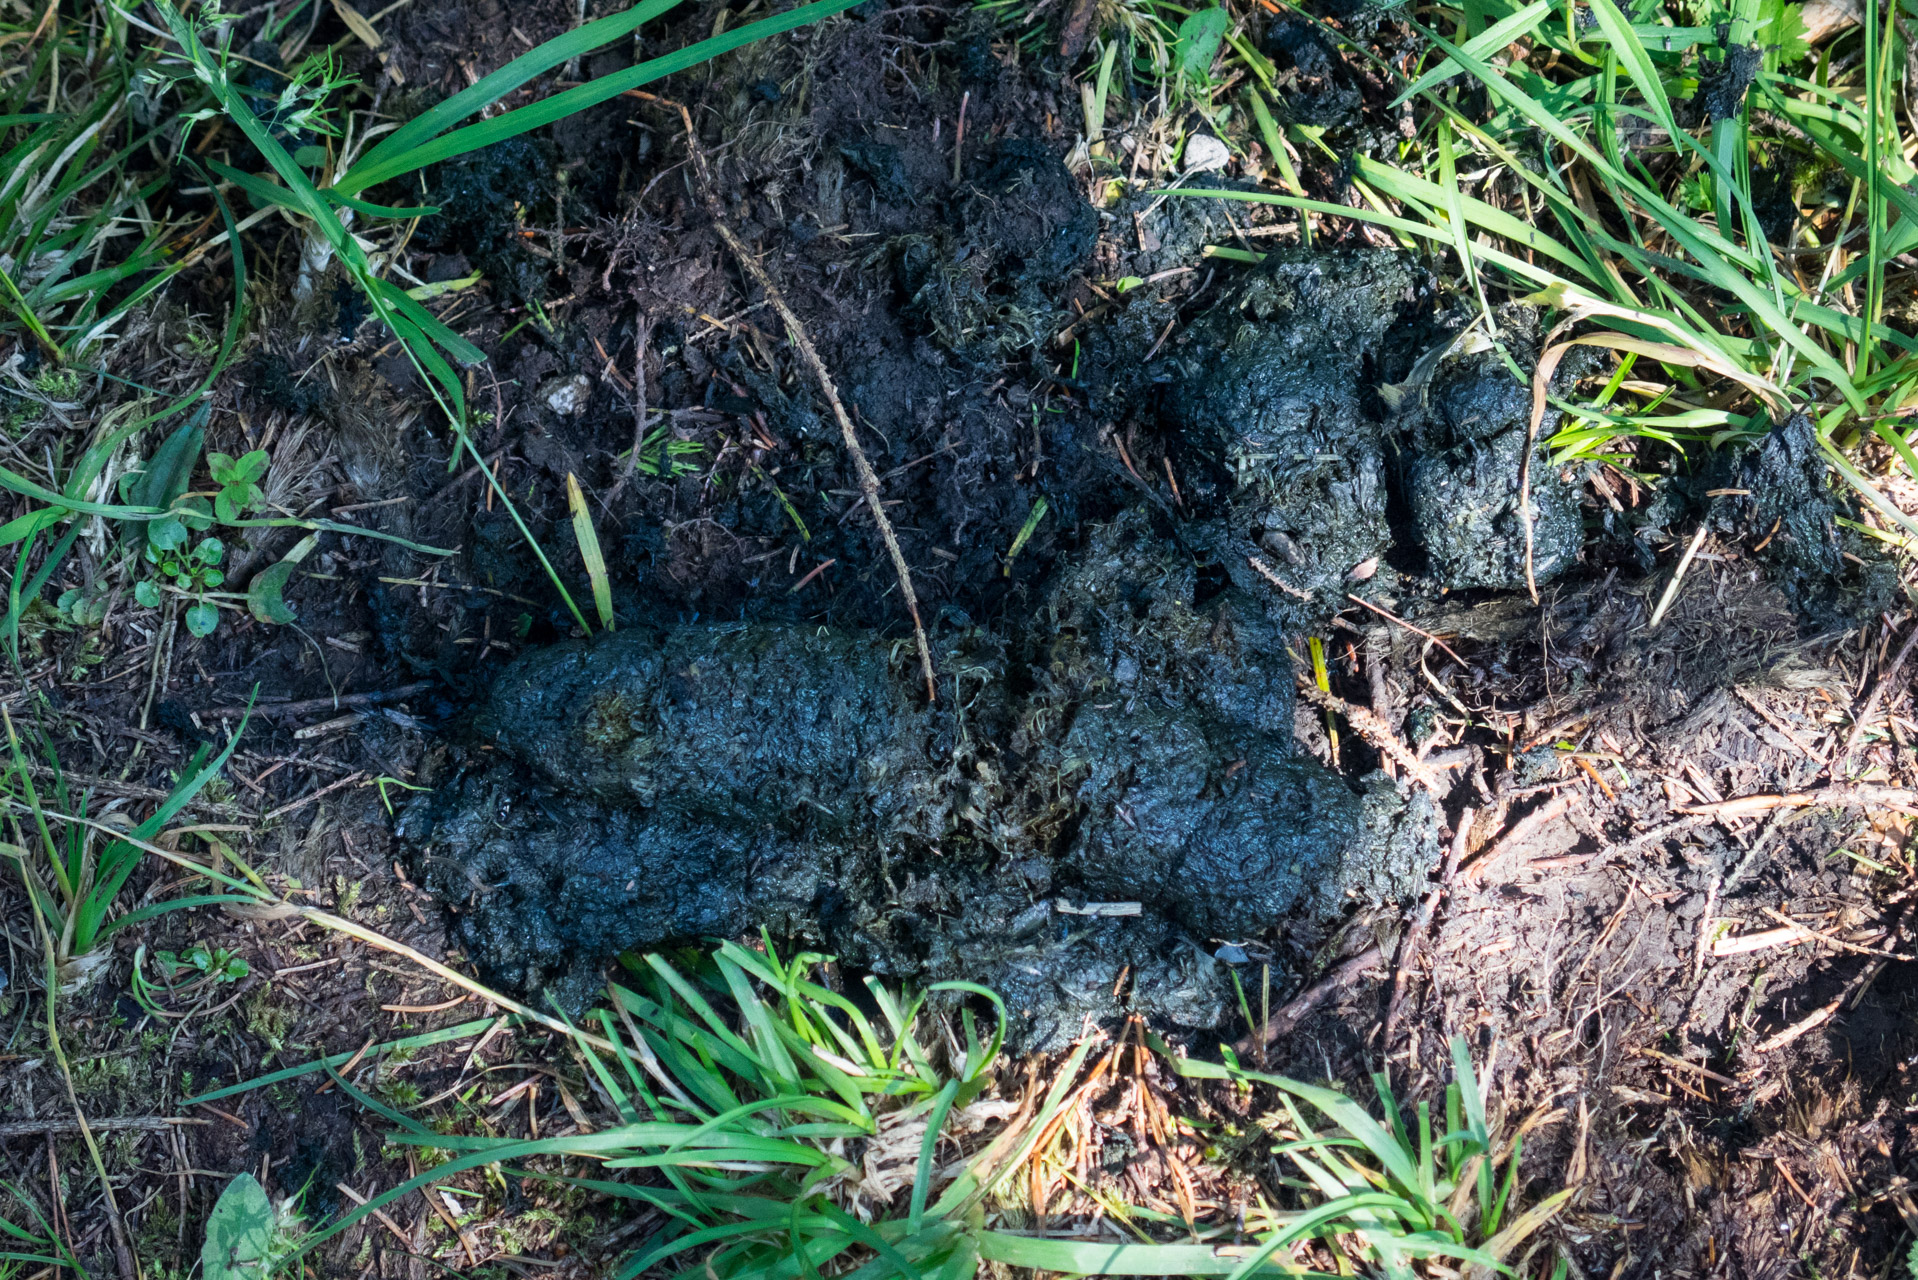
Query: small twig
{"x": 1678, "y": 576}
{"x": 1295, "y": 1011}
{"x": 1394, "y": 618}
{"x": 1811, "y": 1022}
{"x": 1900, "y": 798}
{"x": 1265, "y": 571}
{"x": 144, "y": 1124}
{"x": 818, "y": 569}
{"x": 1877, "y": 693}
{"x": 1686, "y": 1065}
{"x": 309, "y": 798}
{"x": 273, "y": 710}
{"x": 802, "y": 342}
{"x": 1830, "y": 940}
{"x": 1521, "y": 831}
{"x": 959, "y": 139}
{"x": 1376, "y": 732}
{"x": 380, "y": 1214}
{"x": 1414, "y": 938}
{"x": 1654, "y": 836}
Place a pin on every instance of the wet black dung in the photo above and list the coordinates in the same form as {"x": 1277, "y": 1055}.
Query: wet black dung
{"x": 1125, "y": 747}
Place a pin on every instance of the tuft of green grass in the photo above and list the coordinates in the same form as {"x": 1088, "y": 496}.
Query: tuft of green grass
{"x": 79, "y": 244}
{"x": 72, "y": 879}
{"x": 1618, "y": 182}
{"x": 781, "y": 1130}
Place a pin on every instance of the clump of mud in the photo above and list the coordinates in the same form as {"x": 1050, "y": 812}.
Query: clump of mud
{"x": 483, "y": 198}
{"x": 1784, "y": 496}
{"x": 1125, "y": 745}
{"x": 1274, "y": 406}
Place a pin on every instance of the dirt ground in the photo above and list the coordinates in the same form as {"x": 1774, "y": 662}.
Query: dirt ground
{"x": 1677, "y": 934}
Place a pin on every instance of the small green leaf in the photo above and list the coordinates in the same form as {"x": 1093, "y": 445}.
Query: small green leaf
{"x": 239, "y": 1233}
{"x": 1198, "y": 43}
{"x": 250, "y": 467}
{"x": 212, "y": 578}
{"x": 147, "y": 593}
{"x": 224, "y": 508}
{"x": 194, "y": 513}
{"x": 209, "y": 551}
{"x": 221, "y": 467}
{"x": 264, "y": 598}
{"x": 166, "y": 533}
{"x": 171, "y": 467}
{"x": 202, "y": 619}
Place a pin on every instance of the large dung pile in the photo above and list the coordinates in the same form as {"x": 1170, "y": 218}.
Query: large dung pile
{"x": 1124, "y": 746}
{"x": 1107, "y": 791}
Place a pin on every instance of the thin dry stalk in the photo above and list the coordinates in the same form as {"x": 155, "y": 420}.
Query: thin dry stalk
{"x": 1375, "y": 731}
{"x": 802, "y": 342}
{"x": 1295, "y": 1010}
{"x": 1522, "y": 830}
{"x": 1901, "y": 799}
{"x": 1678, "y": 576}
{"x": 1877, "y": 695}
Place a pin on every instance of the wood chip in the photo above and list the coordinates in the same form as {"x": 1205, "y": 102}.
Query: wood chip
{"x": 1745, "y": 944}
{"x": 1901, "y": 799}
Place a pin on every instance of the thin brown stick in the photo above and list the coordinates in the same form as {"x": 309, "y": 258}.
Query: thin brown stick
{"x": 308, "y": 705}
{"x": 1522, "y": 830}
{"x": 1877, "y": 694}
{"x": 145, "y": 1124}
{"x": 1376, "y": 732}
{"x": 1266, "y": 571}
{"x": 1902, "y": 799}
{"x": 1295, "y": 1011}
{"x": 1414, "y": 938}
{"x": 1817, "y": 1018}
{"x": 802, "y": 342}
{"x": 1394, "y": 618}
{"x": 1829, "y": 940}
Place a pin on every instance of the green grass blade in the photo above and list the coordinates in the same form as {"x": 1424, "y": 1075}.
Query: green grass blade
{"x": 492, "y": 88}
{"x": 1486, "y": 43}
{"x": 571, "y": 101}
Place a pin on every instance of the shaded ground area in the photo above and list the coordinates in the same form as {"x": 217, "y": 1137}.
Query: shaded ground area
{"x": 1702, "y": 1016}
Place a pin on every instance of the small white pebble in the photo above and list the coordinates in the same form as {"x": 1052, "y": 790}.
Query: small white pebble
{"x": 1204, "y": 153}
{"x": 567, "y": 396}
